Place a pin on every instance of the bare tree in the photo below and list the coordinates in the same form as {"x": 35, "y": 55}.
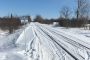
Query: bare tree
{"x": 83, "y": 11}
{"x": 82, "y": 8}
{"x": 65, "y": 12}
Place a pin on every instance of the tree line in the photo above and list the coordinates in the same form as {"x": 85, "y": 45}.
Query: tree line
{"x": 12, "y": 23}
{"x": 80, "y": 18}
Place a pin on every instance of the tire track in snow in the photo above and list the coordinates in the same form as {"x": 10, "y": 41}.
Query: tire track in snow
{"x": 72, "y": 42}
{"x": 60, "y": 45}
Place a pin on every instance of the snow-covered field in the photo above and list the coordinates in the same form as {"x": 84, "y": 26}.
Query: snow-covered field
{"x": 44, "y": 42}
{"x": 80, "y": 31}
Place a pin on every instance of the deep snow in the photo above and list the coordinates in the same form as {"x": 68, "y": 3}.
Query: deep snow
{"x": 36, "y": 42}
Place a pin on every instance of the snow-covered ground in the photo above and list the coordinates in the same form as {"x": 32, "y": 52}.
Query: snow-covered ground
{"x": 44, "y": 42}
{"x": 8, "y": 49}
{"x": 80, "y": 31}
{"x": 3, "y": 33}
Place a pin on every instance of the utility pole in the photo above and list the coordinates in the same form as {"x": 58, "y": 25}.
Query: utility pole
{"x": 10, "y": 25}
{"x": 78, "y": 8}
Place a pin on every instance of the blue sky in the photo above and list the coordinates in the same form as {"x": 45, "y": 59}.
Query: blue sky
{"x": 45, "y": 8}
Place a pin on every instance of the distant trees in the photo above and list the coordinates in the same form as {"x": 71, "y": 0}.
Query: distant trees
{"x": 65, "y": 12}
{"x": 66, "y": 20}
{"x": 71, "y": 22}
{"x": 10, "y": 23}
{"x": 65, "y": 15}
{"x": 38, "y": 18}
{"x": 82, "y": 14}
{"x": 82, "y": 9}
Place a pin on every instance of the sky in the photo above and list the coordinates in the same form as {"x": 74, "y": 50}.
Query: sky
{"x": 45, "y": 8}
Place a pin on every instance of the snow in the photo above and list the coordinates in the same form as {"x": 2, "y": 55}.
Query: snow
{"x": 79, "y": 31}
{"x": 3, "y": 33}
{"x": 7, "y": 45}
{"x": 12, "y": 56}
{"x": 25, "y": 37}
{"x": 44, "y": 42}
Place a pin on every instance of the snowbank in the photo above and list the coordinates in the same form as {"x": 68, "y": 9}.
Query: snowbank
{"x": 26, "y": 36}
